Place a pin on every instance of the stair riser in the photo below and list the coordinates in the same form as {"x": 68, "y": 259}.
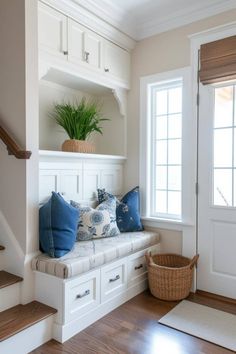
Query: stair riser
{"x": 9, "y": 297}
{"x": 28, "y": 339}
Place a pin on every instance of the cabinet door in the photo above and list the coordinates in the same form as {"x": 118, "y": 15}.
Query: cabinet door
{"x": 111, "y": 179}
{"x": 49, "y": 180}
{"x": 93, "y": 49}
{"x": 71, "y": 184}
{"x": 52, "y": 27}
{"x": 91, "y": 178}
{"x": 76, "y": 38}
{"x": 116, "y": 61}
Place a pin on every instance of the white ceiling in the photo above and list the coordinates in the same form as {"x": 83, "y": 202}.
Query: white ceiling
{"x": 143, "y": 18}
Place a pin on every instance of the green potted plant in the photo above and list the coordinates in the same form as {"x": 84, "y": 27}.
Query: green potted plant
{"x": 79, "y": 120}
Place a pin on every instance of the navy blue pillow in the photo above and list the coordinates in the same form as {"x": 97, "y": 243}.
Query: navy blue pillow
{"x": 57, "y": 226}
{"x": 127, "y": 211}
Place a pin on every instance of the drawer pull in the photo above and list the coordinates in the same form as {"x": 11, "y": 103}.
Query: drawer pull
{"x": 138, "y": 267}
{"x": 86, "y": 56}
{"x": 79, "y": 296}
{"x": 114, "y": 279}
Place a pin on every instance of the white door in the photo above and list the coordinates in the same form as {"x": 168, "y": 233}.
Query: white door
{"x": 216, "y": 271}
{"x": 76, "y": 37}
{"x": 116, "y": 62}
{"x": 93, "y": 49}
{"x": 52, "y": 26}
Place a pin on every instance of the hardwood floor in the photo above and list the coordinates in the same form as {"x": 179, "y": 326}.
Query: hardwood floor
{"x": 133, "y": 329}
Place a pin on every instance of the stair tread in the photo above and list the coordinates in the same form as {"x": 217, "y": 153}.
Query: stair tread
{"x": 2, "y": 248}
{"x": 20, "y": 317}
{"x": 7, "y": 279}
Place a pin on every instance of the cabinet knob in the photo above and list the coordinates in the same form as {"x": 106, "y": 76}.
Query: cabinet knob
{"x": 106, "y": 70}
{"x": 63, "y": 193}
{"x": 86, "y": 56}
{"x": 65, "y": 52}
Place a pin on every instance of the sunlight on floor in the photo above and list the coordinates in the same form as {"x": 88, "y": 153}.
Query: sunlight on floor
{"x": 165, "y": 345}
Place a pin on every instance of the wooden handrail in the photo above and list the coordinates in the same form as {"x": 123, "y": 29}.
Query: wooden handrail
{"x": 12, "y": 147}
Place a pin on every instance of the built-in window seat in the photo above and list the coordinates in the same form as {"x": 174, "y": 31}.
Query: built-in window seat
{"x": 93, "y": 279}
{"x": 88, "y": 255}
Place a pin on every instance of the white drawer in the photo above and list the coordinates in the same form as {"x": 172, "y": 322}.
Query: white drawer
{"x": 82, "y": 295}
{"x": 137, "y": 269}
{"x": 113, "y": 279}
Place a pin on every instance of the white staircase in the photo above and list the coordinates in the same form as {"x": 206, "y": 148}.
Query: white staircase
{"x": 22, "y": 327}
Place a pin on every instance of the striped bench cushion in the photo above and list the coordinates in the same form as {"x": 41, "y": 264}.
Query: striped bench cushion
{"x": 91, "y": 254}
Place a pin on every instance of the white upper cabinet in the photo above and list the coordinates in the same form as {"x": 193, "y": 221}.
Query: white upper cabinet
{"x": 64, "y": 37}
{"x": 76, "y": 37}
{"x": 84, "y": 46}
{"x": 52, "y": 31}
{"x": 93, "y": 49}
{"x": 116, "y": 61}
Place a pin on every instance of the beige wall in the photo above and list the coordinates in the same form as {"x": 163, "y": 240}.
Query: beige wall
{"x": 19, "y": 114}
{"x": 163, "y": 52}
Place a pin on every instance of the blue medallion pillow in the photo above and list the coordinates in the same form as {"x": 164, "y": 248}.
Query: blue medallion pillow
{"x": 58, "y": 222}
{"x": 127, "y": 211}
{"x": 97, "y": 223}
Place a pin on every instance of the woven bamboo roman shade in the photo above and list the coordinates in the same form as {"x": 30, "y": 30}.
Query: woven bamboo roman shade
{"x": 218, "y": 61}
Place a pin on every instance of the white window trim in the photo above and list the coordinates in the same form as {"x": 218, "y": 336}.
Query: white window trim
{"x": 188, "y": 137}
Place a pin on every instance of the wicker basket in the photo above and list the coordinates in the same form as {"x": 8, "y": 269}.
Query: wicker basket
{"x": 74, "y": 145}
{"x": 170, "y": 275}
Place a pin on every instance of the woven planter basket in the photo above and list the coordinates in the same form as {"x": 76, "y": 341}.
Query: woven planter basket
{"x": 170, "y": 276}
{"x": 74, "y": 145}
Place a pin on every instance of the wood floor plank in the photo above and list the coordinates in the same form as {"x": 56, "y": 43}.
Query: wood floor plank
{"x": 20, "y": 317}
{"x": 7, "y": 279}
{"x": 133, "y": 328}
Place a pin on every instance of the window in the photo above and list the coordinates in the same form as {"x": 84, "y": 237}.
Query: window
{"x": 224, "y": 169}
{"x": 168, "y": 147}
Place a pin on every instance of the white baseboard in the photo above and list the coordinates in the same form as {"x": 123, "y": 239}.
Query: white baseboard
{"x": 9, "y": 296}
{"x": 63, "y": 332}
{"x": 28, "y": 339}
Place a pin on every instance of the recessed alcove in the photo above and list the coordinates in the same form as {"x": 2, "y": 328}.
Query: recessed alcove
{"x": 57, "y": 86}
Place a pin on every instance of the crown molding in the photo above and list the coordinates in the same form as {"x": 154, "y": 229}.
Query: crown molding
{"x": 181, "y": 18}
{"x": 112, "y": 13}
{"x": 81, "y": 11}
{"x": 114, "y": 23}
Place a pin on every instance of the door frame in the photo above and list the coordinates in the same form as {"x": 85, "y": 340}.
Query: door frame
{"x": 196, "y": 40}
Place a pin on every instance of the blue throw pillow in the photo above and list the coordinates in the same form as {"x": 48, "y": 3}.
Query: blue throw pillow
{"x": 127, "y": 210}
{"x": 57, "y": 226}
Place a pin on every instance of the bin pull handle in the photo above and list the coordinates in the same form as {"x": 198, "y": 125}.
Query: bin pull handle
{"x": 194, "y": 261}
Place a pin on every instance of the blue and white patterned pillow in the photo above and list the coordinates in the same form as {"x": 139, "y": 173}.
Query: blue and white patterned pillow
{"x": 127, "y": 210}
{"x": 97, "y": 223}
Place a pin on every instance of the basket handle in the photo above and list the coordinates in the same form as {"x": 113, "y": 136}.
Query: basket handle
{"x": 148, "y": 257}
{"x": 194, "y": 261}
